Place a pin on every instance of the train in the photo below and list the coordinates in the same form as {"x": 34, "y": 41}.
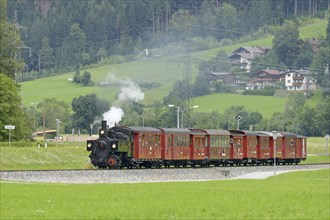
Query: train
{"x": 148, "y": 147}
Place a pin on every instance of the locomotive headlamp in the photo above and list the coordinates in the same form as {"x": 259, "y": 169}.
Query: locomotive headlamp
{"x": 89, "y": 144}
{"x": 102, "y": 132}
{"x": 113, "y": 146}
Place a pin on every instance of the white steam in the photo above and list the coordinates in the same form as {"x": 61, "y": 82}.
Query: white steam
{"x": 129, "y": 91}
{"x": 113, "y": 116}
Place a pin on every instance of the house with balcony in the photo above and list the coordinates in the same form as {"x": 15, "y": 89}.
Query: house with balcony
{"x": 242, "y": 57}
{"x": 266, "y": 77}
{"x": 299, "y": 80}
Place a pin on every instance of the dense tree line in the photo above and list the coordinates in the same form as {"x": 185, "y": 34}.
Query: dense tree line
{"x": 48, "y": 36}
{"x": 64, "y": 34}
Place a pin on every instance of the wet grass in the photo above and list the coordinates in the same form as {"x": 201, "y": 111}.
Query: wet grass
{"x": 298, "y": 195}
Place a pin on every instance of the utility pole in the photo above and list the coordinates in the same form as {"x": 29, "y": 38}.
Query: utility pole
{"x": 17, "y": 27}
{"x": 44, "y": 119}
{"x": 187, "y": 78}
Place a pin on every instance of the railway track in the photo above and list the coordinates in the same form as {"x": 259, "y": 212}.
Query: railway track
{"x": 84, "y": 176}
{"x": 163, "y": 168}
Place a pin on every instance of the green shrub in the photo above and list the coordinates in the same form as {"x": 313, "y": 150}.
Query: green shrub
{"x": 263, "y": 92}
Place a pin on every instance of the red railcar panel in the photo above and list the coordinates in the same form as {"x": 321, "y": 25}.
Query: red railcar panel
{"x": 198, "y": 145}
{"x": 146, "y": 143}
{"x": 236, "y": 148}
{"x": 218, "y": 144}
{"x": 250, "y": 147}
{"x": 249, "y": 144}
{"x": 264, "y": 147}
{"x": 289, "y": 146}
{"x": 300, "y": 147}
{"x": 175, "y": 144}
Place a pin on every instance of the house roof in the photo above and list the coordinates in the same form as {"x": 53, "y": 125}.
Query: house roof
{"x": 303, "y": 72}
{"x": 220, "y": 74}
{"x": 249, "y": 49}
{"x": 247, "y": 56}
{"x": 271, "y": 71}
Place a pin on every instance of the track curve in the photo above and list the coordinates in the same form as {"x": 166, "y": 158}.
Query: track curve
{"x": 144, "y": 175}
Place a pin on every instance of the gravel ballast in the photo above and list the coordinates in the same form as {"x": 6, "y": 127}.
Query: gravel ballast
{"x": 149, "y": 175}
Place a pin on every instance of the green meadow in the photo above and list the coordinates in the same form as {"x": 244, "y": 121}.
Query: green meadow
{"x": 266, "y": 105}
{"x": 164, "y": 70}
{"x": 297, "y": 195}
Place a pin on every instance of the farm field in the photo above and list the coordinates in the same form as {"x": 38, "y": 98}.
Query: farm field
{"x": 164, "y": 70}
{"x": 266, "y": 105}
{"x": 74, "y": 155}
{"x": 297, "y": 195}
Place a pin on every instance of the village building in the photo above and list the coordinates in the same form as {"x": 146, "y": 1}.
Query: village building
{"x": 225, "y": 78}
{"x": 299, "y": 80}
{"x": 243, "y": 56}
{"x": 264, "y": 78}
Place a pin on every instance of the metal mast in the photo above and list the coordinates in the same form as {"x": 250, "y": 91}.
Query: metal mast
{"x": 187, "y": 78}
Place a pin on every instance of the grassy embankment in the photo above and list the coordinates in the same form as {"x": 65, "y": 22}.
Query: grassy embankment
{"x": 165, "y": 71}
{"x": 75, "y": 156}
{"x": 299, "y": 195}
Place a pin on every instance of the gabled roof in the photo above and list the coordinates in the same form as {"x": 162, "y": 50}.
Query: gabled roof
{"x": 271, "y": 72}
{"x": 249, "y": 49}
{"x": 302, "y": 72}
{"x": 244, "y": 55}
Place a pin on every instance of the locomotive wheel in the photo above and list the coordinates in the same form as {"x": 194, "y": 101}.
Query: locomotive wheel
{"x": 112, "y": 161}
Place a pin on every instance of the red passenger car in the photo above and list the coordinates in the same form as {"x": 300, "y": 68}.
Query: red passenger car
{"x": 288, "y": 147}
{"x": 218, "y": 147}
{"x": 175, "y": 146}
{"x": 146, "y": 144}
{"x": 236, "y": 147}
{"x": 264, "y": 147}
{"x": 198, "y": 144}
{"x": 249, "y": 146}
{"x": 300, "y": 148}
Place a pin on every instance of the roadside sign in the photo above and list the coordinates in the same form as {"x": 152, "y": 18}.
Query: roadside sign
{"x": 10, "y": 127}
{"x": 238, "y": 118}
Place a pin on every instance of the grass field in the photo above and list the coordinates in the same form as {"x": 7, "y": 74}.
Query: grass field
{"x": 299, "y": 195}
{"x": 66, "y": 156}
{"x": 266, "y": 105}
{"x": 164, "y": 70}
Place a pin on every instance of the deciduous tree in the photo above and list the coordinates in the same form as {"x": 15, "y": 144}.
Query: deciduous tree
{"x": 86, "y": 109}
{"x": 11, "y": 111}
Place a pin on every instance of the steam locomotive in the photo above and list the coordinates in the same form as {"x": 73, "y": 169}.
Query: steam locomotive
{"x": 137, "y": 147}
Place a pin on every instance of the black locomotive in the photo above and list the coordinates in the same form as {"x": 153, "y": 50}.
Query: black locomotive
{"x": 110, "y": 149}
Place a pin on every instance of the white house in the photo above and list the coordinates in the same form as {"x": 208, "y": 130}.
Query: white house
{"x": 243, "y": 60}
{"x": 299, "y": 80}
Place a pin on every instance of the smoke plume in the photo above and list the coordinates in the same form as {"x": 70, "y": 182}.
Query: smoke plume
{"x": 129, "y": 91}
{"x": 113, "y": 116}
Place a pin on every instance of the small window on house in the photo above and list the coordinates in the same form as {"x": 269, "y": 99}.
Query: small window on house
{"x": 289, "y": 74}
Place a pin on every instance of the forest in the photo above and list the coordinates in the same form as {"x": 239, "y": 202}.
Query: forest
{"x": 51, "y": 37}
{"x": 60, "y": 36}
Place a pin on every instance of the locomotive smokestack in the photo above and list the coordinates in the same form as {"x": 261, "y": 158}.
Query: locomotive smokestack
{"x": 103, "y": 128}
{"x": 104, "y": 125}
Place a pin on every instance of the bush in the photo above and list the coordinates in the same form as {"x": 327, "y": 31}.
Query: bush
{"x": 264, "y": 92}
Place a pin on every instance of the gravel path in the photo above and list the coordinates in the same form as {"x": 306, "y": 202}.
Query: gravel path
{"x": 149, "y": 175}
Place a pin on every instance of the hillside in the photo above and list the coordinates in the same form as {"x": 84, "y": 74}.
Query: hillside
{"x": 162, "y": 70}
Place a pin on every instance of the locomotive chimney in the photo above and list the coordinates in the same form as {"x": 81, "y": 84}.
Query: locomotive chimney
{"x": 104, "y": 125}
{"x": 104, "y": 129}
